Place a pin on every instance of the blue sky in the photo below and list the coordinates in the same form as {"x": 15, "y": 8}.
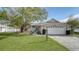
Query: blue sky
{"x": 60, "y": 13}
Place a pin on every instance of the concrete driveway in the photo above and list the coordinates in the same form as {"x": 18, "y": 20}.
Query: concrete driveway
{"x": 72, "y": 43}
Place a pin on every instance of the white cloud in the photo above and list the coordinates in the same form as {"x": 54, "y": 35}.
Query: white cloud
{"x": 64, "y": 20}
{"x": 76, "y": 16}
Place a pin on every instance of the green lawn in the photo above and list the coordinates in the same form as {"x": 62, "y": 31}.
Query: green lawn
{"x": 14, "y": 42}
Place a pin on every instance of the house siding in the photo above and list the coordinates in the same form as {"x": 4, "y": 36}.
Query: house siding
{"x": 76, "y": 30}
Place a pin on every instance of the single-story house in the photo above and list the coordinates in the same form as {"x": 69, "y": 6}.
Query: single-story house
{"x": 52, "y": 27}
{"x": 76, "y": 29}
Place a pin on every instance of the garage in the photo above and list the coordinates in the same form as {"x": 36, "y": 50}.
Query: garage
{"x": 56, "y": 30}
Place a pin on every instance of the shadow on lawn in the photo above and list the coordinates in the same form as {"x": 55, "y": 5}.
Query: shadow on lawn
{"x": 2, "y": 37}
{"x": 11, "y": 34}
{"x": 5, "y": 35}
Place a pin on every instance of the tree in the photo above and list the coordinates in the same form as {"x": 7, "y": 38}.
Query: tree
{"x": 23, "y": 16}
{"x": 73, "y": 22}
{"x": 3, "y": 15}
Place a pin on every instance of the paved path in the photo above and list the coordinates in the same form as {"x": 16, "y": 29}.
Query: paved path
{"x": 72, "y": 43}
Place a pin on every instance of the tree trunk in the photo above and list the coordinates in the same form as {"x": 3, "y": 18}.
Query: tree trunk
{"x": 22, "y": 29}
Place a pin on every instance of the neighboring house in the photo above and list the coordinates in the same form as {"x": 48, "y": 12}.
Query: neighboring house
{"x": 5, "y": 28}
{"x": 53, "y": 27}
{"x": 76, "y": 29}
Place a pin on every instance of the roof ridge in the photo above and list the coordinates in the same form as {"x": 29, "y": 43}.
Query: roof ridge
{"x": 53, "y": 20}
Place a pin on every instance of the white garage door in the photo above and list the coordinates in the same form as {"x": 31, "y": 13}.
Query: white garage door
{"x": 56, "y": 30}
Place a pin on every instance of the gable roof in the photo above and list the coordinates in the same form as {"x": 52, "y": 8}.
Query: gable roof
{"x": 53, "y": 21}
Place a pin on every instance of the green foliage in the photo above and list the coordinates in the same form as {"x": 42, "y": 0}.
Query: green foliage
{"x": 23, "y": 16}
{"x": 33, "y": 13}
{"x": 16, "y": 21}
{"x": 73, "y": 22}
{"x": 30, "y": 14}
{"x": 3, "y": 15}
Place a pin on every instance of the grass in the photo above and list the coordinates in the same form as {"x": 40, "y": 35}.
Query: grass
{"x": 77, "y": 33}
{"x": 15, "y": 42}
